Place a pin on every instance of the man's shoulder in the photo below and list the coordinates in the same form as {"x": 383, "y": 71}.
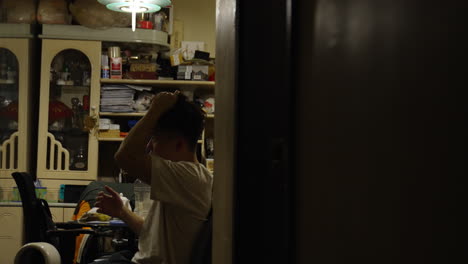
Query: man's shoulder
{"x": 197, "y": 170}
{"x": 184, "y": 169}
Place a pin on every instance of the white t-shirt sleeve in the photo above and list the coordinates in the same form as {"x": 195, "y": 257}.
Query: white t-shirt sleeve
{"x": 182, "y": 184}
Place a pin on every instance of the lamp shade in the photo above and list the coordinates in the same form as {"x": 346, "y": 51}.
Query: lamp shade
{"x": 139, "y": 6}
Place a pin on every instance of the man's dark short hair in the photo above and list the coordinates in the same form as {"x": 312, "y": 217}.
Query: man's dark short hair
{"x": 184, "y": 119}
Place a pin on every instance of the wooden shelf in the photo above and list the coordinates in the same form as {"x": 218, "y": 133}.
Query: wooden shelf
{"x": 163, "y": 83}
{"x": 136, "y": 114}
{"x": 6, "y": 82}
{"x": 110, "y": 34}
{"x": 9, "y": 30}
{"x": 121, "y": 114}
{"x": 111, "y": 139}
{"x": 121, "y": 139}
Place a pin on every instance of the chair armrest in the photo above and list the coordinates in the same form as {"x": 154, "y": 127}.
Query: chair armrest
{"x": 70, "y": 232}
{"x": 68, "y": 225}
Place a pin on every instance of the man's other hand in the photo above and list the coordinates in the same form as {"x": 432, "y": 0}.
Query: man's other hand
{"x": 109, "y": 204}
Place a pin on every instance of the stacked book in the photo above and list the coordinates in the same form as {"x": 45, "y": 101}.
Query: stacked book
{"x": 119, "y": 98}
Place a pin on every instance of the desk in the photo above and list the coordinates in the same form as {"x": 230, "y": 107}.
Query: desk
{"x": 92, "y": 224}
{"x": 122, "y": 236}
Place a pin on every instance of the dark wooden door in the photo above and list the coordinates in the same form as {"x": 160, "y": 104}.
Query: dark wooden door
{"x": 350, "y": 139}
{"x": 380, "y": 143}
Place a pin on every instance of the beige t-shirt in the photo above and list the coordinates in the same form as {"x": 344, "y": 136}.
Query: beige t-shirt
{"x": 181, "y": 194}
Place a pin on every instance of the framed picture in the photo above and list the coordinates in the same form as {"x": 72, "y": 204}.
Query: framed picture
{"x": 164, "y": 19}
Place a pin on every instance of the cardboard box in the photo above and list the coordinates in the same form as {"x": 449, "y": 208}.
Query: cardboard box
{"x": 143, "y": 67}
{"x": 109, "y": 133}
{"x": 192, "y": 72}
{"x": 142, "y": 75}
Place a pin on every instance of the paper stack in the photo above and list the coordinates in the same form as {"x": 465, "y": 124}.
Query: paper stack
{"x": 119, "y": 98}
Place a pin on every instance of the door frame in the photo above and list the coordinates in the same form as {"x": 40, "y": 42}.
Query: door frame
{"x": 225, "y": 131}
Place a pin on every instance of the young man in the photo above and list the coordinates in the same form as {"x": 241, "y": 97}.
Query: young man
{"x": 181, "y": 187}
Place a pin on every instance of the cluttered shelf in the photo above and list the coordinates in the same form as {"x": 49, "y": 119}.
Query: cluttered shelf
{"x": 165, "y": 83}
{"x": 136, "y": 114}
{"x": 122, "y": 138}
{"x": 122, "y": 114}
{"x": 110, "y": 139}
{"x": 7, "y": 82}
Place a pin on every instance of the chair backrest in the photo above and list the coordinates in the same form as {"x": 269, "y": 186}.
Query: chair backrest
{"x": 25, "y": 183}
{"x": 37, "y": 219}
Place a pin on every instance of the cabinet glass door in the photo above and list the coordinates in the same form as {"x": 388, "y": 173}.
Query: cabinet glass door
{"x": 69, "y": 107}
{"x": 68, "y": 111}
{"x": 9, "y": 91}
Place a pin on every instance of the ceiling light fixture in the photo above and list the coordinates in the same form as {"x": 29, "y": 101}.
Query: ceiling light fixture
{"x": 135, "y": 6}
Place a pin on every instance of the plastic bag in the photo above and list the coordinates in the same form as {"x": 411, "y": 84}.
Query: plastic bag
{"x": 53, "y": 12}
{"x": 142, "y": 193}
{"x": 92, "y": 14}
{"x": 143, "y": 101}
{"x": 20, "y": 11}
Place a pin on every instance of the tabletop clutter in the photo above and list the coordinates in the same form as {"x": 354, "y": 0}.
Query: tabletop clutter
{"x": 142, "y": 197}
{"x": 94, "y": 217}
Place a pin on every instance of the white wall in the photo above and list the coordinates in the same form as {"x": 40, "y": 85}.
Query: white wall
{"x": 199, "y": 18}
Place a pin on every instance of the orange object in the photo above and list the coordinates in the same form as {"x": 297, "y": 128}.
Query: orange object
{"x": 123, "y": 134}
{"x": 83, "y": 208}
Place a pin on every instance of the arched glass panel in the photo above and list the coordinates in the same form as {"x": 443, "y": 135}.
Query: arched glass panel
{"x": 8, "y": 109}
{"x": 70, "y": 81}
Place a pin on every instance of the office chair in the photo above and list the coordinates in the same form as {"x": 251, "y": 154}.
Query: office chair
{"x": 38, "y": 224}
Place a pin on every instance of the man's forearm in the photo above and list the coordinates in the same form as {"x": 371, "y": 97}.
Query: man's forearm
{"x": 133, "y": 146}
{"x": 134, "y": 221}
{"x": 131, "y": 154}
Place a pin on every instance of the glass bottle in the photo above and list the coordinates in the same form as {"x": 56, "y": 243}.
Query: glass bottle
{"x": 3, "y": 64}
{"x": 79, "y": 159}
{"x": 209, "y": 148}
{"x": 11, "y": 74}
{"x": 66, "y": 74}
{"x": 77, "y": 118}
{"x": 142, "y": 193}
{"x": 210, "y": 154}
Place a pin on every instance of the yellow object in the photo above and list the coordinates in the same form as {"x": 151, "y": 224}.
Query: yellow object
{"x": 95, "y": 217}
{"x": 176, "y": 59}
{"x": 83, "y": 208}
{"x": 90, "y": 123}
{"x": 109, "y": 133}
{"x": 210, "y": 165}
